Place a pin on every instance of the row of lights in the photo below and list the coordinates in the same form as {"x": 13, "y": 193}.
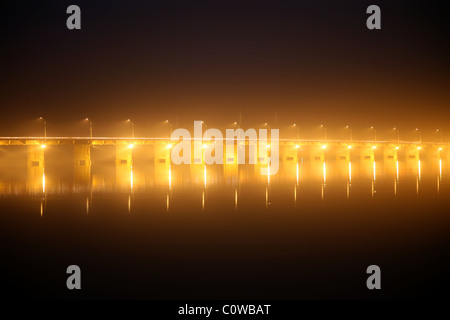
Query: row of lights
{"x": 235, "y": 123}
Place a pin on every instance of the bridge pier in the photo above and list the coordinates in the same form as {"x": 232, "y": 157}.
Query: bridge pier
{"x": 230, "y": 166}
{"x": 390, "y": 152}
{"x": 82, "y": 163}
{"x": 162, "y": 163}
{"x": 343, "y": 153}
{"x": 124, "y": 163}
{"x": 318, "y": 153}
{"x": 35, "y": 169}
{"x": 412, "y": 153}
{"x": 367, "y": 153}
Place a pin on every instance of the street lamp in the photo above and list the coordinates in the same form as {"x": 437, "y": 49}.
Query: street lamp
{"x": 398, "y": 134}
{"x": 268, "y": 129}
{"x": 298, "y": 130}
{"x": 45, "y": 128}
{"x": 420, "y": 135}
{"x": 440, "y": 133}
{"x": 374, "y": 133}
{"x": 324, "y": 130}
{"x": 350, "y": 131}
{"x": 170, "y": 127}
{"x": 132, "y": 128}
{"x": 90, "y": 127}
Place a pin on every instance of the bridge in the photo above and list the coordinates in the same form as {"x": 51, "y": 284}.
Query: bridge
{"x": 311, "y": 153}
{"x": 290, "y": 150}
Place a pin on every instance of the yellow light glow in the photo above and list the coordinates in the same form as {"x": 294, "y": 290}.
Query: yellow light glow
{"x": 203, "y": 199}
{"x": 374, "y": 171}
{"x": 167, "y": 202}
{"x": 169, "y": 146}
{"x": 43, "y": 182}
{"x": 131, "y": 178}
{"x": 420, "y": 171}
{"x": 418, "y": 148}
{"x": 297, "y": 146}
{"x": 43, "y": 146}
{"x": 440, "y": 149}
{"x": 170, "y": 177}
{"x": 268, "y": 146}
{"x": 324, "y": 147}
{"x": 350, "y": 172}
{"x": 374, "y": 147}
{"x": 397, "y": 171}
{"x": 204, "y": 146}
{"x": 131, "y": 145}
{"x": 349, "y": 147}
{"x": 396, "y": 148}
{"x": 267, "y": 197}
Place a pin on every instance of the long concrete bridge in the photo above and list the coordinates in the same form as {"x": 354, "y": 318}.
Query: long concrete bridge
{"x": 290, "y": 150}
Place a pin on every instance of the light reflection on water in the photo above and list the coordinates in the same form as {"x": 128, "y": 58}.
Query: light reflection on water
{"x": 320, "y": 180}
{"x": 312, "y": 221}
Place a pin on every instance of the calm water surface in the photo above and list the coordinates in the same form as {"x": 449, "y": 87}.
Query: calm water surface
{"x": 159, "y": 231}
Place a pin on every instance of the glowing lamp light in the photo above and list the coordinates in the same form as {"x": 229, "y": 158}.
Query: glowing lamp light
{"x": 349, "y": 147}
{"x": 43, "y": 146}
{"x": 204, "y": 146}
{"x": 324, "y": 147}
{"x": 169, "y": 146}
{"x": 374, "y": 147}
{"x": 268, "y": 146}
{"x": 440, "y": 149}
{"x": 296, "y": 146}
{"x": 131, "y": 145}
{"x": 418, "y": 148}
{"x": 396, "y": 148}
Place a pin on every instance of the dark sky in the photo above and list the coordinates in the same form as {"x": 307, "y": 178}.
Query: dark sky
{"x": 310, "y": 62}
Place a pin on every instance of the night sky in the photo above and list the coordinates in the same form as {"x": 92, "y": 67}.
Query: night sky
{"x": 308, "y": 62}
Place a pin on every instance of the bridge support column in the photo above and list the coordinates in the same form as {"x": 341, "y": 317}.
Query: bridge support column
{"x": 390, "y": 153}
{"x": 230, "y": 165}
{"x": 124, "y": 163}
{"x": 162, "y": 163}
{"x": 412, "y": 153}
{"x": 412, "y": 158}
{"x": 367, "y": 153}
{"x": 343, "y": 153}
{"x": 82, "y": 163}
{"x": 35, "y": 169}
{"x": 318, "y": 153}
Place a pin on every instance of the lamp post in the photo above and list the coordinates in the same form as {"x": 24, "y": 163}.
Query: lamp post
{"x": 132, "y": 128}
{"x": 440, "y": 134}
{"x": 266, "y": 124}
{"x": 324, "y": 130}
{"x": 170, "y": 127}
{"x": 374, "y": 133}
{"x": 298, "y": 130}
{"x": 398, "y": 134}
{"x": 420, "y": 135}
{"x": 45, "y": 128}
{"x": 350, "y": 132}
{"x": 90, "y": 127}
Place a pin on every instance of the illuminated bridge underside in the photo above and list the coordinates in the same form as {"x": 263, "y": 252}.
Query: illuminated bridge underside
{"x": 290, "y": 150}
